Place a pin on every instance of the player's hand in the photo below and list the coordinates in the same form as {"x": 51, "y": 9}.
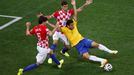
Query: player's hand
{"x": 88, "y": 2}
{"x": 47, "y": 22}
{"x": 28, "y": 24}
{"x": 79, "y": 9}
{"x": 73, "y": 2}
{"x": 38, "y": 15}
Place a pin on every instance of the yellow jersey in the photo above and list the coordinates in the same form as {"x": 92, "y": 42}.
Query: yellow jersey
{"x": 73, "y": 35}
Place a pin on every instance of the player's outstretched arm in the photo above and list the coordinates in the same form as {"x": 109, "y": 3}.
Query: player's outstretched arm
{"x": 50, "y": 24}
{"x": 73, "y": 2}
{"x": 41, "y": 14}
{"x": 88, "y": 2}
{"x": 52, "y": 32}
{"x": 28, "y": 24}
{"x": 50, "y": 16}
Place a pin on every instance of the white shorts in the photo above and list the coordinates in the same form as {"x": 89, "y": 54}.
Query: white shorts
{"x": 60, "y": 35}
{"x": 42, "y": 54}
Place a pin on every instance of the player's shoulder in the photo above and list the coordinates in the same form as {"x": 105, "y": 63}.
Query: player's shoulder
{"x": 74, "y": 20}
{"x": 71, "y": 10}
{"x": 44, "y": 26}
{"x": 57, "y": 11}
{"x": 35, "y": 27}
{"x": 41, "y": 26}
{"x": 63, "y": 28}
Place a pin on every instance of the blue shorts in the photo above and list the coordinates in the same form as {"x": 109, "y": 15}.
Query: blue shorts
{"x": 83, "y": 46}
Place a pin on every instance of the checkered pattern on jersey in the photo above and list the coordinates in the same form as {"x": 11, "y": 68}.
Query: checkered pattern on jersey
{"x": 41, "y": 33}
{"x": 63, "y": 16}
{"x": 43, "y": 43}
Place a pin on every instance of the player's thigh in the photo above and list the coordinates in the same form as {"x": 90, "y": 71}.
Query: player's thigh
{"x": 67, "y": 46}
{"x": 55, "y": 42}
{"x": 95, "y": 44}
{"x": 42, "y": 54}
{"x": 81, "y": 48}
{"x": 88, "y": 43}
{"x": 56, "y": 35}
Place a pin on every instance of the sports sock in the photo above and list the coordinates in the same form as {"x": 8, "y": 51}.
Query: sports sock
{"x": 94, "y": 58}
{"x": 55, "y": 59}
{"x": 30, "y": 67}
{"x": 64, "y": 50}
{"x": 104, "y": 48}
{"x": 53, "y": 47}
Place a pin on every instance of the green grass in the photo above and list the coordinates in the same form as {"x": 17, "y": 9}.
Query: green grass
{"x": 109, "y": 22}
{"x": 4, "y": 20}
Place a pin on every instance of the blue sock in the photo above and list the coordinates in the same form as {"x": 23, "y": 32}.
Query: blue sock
{"x": 55, "y": 59}
{"x": 53, "y": 47}
{"x": 30, "y": 67}
{"x": 64, "y": 50}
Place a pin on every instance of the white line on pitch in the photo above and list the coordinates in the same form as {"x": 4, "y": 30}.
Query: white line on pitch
{"x": 10, "y": 22}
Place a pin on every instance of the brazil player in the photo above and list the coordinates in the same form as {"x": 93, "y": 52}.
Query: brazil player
{"x": 62, "y": 16}
{"x": 41, "y": 32}
{"x": 83, "y": 44}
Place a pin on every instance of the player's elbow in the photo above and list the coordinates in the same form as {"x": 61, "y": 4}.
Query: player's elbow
{"x": 28, "y": 34}
{"x": 91, "y": 1}
{"x": 50, "y": 34}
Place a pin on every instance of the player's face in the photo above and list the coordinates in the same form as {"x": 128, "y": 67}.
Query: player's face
{"x": 65, "y": 7}
{"x": 71, "y": 26}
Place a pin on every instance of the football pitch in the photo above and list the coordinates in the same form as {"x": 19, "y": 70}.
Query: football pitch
{"x": 109, "y": 22}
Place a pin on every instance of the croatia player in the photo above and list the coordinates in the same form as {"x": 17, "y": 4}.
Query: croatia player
{"x": 41, "y": 32}
{"x": 83, "y": 44}
{"x": 62, "y": 16}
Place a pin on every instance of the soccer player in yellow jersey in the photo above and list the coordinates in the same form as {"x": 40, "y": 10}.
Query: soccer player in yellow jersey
{"x": 83, "y": 44}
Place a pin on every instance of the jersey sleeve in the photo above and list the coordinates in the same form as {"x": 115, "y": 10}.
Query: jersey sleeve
{"x": 32, "y": 31}
{"x": 71, "y": 11}
{"x": 55, "y": 14}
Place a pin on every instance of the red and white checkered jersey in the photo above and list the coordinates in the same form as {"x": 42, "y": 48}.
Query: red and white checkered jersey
{"x": 41, "y": 32}
{"x": 62, "y": 16}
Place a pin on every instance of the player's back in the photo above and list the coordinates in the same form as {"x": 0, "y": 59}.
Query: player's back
{"x": 41, "y": 32}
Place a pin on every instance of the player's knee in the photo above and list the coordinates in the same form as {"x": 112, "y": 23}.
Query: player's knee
{"x": 55, "y": 42}
{"x": 67, "y": 46}
{"x": 51, "y": 52}
{"x": 94, "y": 44}
{"x": 39, "y": 62}
{"x": 86, "y": 56}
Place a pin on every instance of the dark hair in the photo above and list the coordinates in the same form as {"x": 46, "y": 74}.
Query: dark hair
{"x": 42, "y": 19}
{"x": 68, "y": 22}
{"x": 64, "y": 3}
